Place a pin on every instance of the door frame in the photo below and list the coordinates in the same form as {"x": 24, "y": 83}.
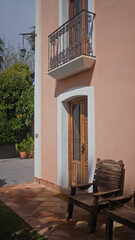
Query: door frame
{"x": 62, "y": 133}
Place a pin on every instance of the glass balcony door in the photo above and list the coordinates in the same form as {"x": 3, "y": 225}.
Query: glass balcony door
{"x": 79, "y": 34}
{"x": 75, "y": 6}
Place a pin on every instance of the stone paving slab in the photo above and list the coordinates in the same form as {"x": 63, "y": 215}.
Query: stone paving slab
{"x": 45, "y": 211}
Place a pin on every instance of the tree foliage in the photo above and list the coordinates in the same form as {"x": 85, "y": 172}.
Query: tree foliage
{"x": 16, "y": 103}
{"x": 31, "y": 39}
{"x": 1, "y": 53}
{"x": 12, "y": 56}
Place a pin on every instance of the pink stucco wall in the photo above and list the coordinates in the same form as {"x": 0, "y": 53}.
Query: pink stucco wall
{"x": 114, "y": 82}
{"x": 49, "y": 22}
{"x": 113, "y": 78}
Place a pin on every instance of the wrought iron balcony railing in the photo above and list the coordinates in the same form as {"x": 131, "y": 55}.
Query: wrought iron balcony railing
{"x": 72, "y": 39}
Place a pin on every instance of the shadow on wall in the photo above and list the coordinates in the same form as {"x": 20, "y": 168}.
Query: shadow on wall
{"x": 2, "y": 182}
{"x": 79, "y": 80}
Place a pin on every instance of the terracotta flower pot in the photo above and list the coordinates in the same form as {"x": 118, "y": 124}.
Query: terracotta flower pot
{"x": 23, "y": 155}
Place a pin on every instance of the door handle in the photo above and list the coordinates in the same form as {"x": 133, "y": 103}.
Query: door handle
{"x": 82, "y": 148}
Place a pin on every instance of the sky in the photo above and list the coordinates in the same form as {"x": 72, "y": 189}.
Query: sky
{"x": 16, "y": 16}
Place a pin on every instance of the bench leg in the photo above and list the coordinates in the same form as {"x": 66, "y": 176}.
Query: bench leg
{"x": 70, "y": 210}
{"x": 109, "y": 229}
{"x": 92, "y": 220}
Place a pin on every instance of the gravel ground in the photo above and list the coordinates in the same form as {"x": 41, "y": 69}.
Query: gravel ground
{"x": 16, "y": 170}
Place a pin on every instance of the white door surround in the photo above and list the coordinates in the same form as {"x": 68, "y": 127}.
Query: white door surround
{"x": 62, "y": 133}
{"x": 37, "y": 117}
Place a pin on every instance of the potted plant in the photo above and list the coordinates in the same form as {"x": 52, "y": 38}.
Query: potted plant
{"x": 25, "y": 147}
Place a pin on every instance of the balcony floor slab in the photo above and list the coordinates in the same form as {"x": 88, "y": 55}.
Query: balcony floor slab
{"x": 72, "y": 67}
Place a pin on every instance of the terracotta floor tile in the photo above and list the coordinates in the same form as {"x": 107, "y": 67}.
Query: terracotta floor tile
{"x": 13, "y": 205}
{"x": 41, "y": 198}
{"x": 61, "y": 213}
{"x": 55, "y": 199}
{"x": 81, "y": 238}
{"x": 43, "y": 209}
{"x": 44, "y": 231}
{"x": 80, "y": 214}
{"x": 3, "y": 197}
{"x": 20, "y": 201}
{"x": 31, "y": 206}
{"x": 48, "y": 204}
{"x": 81, "y": 233}
{"x": 61, "y": 205}
{"x": 48, "y": 219}
{"x": 54, "y": 237}
{"x": 124, "y": 233}
{"x": 34, "y": 222}
{"x": 4, "y": 189}
{"x": 65, "y": 229}
{"x": 43, "y": 213}
{"x": 22, "y": 213}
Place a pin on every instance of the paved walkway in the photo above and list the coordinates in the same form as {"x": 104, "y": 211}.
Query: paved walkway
{"x": 45, "y": 210}
{"x": 16, "y": 170}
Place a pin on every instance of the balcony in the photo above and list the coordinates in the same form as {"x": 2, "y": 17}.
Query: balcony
{"x": 71, "y": 46}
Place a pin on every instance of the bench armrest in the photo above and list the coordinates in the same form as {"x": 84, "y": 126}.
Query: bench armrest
{"x": 82, "y": 186}
{"x": 107, "y": 193}
{"x": 121, "y": 199}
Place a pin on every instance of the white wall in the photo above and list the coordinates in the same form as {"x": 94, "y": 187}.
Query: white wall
{"x": 37, "y": 120}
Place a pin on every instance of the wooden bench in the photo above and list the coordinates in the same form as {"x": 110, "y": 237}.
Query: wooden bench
{"x": 120, "y": 213}
{"x": 108, "y": 182}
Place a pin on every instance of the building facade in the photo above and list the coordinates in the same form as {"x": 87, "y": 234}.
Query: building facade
{"x": 84, "y": 89}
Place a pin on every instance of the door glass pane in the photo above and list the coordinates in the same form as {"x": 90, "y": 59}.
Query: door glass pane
{"x": 76, "y": 131}
{"x": 85, "y": 132}
{"x": 86, "y": 18}
{"x": 77, "y": 6}
{"x": 86, "y": 5}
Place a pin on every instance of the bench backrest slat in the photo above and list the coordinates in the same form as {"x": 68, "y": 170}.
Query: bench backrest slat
{"x": 109, "y": 174}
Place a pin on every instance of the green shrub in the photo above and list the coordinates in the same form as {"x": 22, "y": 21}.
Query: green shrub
{"x": 26, "y": 145}
{"x": 16, "y": 103}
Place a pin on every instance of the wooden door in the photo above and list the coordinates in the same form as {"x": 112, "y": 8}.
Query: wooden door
{"x": 78, "y": 141}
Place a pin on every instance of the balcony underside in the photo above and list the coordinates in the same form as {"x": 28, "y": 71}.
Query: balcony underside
{"x": 72, "y": 67}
